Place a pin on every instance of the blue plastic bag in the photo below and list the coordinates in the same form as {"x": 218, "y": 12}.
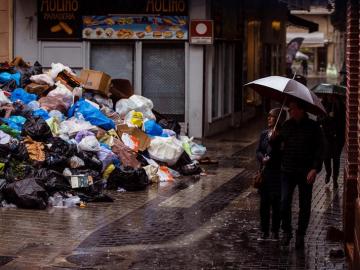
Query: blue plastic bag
{"x": 91, "y": 114}
{"x": 22, "y": 95}
{"x": 152, "y": 128}
{"x": 15, "y": 122}
{"x": 6, "y": 76}
{"x": 42, "y": 113}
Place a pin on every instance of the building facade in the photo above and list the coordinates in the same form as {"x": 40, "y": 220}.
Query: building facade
{"x": 200, "y": 85}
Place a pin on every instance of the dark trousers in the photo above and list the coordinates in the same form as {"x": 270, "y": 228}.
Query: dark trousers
{"x": 269, "y": 202}
{"x": 335, "y": 157}
{"x": 288, "y": 184}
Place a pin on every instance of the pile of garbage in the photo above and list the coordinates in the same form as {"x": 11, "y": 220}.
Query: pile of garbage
{"x": 64, "y": 138}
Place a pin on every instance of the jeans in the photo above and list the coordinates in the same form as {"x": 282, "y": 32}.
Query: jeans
{"x": 288, "y": 183}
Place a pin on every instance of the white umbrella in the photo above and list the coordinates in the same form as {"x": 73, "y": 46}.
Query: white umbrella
{"x": 301, "y": 56}
{"x": 285, "y": 90}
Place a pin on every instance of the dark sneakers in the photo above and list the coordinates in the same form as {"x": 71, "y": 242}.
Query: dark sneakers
{"x": 299, "y": 243}
{"x": 286, "y": 238}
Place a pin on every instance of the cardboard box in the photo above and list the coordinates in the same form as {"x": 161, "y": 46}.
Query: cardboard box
{"x": 96, "y": 81}
{"x": 140, "y": 135}
{"x": 120, "y": 88}
{"x": 81, "y": 181}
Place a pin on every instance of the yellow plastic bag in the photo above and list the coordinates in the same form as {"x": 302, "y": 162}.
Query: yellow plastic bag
{"x": 109, "y": 169}
{"x": 134, "y": 118}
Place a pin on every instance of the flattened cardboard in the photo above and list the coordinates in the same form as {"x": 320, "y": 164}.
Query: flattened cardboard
{"x": 143, "y": 138}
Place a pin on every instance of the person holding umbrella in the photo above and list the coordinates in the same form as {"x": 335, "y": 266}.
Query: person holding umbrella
{"x": 301, "y": 162}
{"x": 301, "y": 145}
{"x": 269, "y": 158}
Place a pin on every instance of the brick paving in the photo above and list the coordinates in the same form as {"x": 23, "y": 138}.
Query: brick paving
{"x": 210, "y": 222}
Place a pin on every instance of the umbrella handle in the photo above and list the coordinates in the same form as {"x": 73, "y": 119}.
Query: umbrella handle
{"x": 282, "y": 108}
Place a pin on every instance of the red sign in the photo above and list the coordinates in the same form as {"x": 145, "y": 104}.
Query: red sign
{"x": 201, "y": 32}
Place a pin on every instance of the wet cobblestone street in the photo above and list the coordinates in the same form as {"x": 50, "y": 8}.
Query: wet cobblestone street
{"x": 207, "y": 222}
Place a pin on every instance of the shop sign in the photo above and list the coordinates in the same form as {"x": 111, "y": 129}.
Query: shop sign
{"x": 135, "y": 27}
{"x": 201, "y": 32}
{"x": 59, "y": 20}
{"x": 131, "y": 7}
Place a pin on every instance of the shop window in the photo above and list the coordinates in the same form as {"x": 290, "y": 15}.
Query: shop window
{"x": 115, "y": 59}
{"x": 163, "y": 77}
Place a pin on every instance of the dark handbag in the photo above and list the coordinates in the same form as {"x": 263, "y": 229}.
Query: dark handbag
{"x": 258, "y": 179}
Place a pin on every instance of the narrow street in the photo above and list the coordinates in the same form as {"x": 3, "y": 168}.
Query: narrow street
{"x": 206, "y": 222}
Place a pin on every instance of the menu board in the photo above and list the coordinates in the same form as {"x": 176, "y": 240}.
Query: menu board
{"x": 152, "y": 27}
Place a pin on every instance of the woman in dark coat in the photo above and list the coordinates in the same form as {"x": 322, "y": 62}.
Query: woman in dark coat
{"x": 269, "y": 157}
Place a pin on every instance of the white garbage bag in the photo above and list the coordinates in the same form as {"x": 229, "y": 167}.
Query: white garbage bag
{"x": 42, "y": 79}
{"x": 165, "y": 149}
{"x": 4, "y": 99}
{"x": 62, "y": 92}
{"x": 57, "y": 68}
{"x": 89, "y": 143}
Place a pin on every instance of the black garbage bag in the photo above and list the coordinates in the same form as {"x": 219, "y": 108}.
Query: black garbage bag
{"x": 5, "y": 152}
{"x": 94, "y": 197}
{"x": 52, "y": 181}
{"x": 19, "y": 151}
{"x": 26, "y": 193}
{"x": 167, "y": 123}
{"x": 16, "y": 170}
{"x": 55, "y": 161}
{"x": 58, "y": 153}
{"x": 184, "y": 159}
{"x": 8, "y": 86}
{"x": 190, "y": 169}
{"x": 22, "y": 109}
{"x": 140, "y": 157}
{"x": 27, "y": 72}
{"x": 128, "y": 178}
{"x": 91, "y": 161}
{"x": 2, "y": 188}
{"x": 37, "y": 128}
{"x": 61, "y": 147}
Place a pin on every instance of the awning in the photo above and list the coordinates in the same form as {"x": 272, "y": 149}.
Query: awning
{"x": 297, "y": 21}
{"x": 315, "y": 39}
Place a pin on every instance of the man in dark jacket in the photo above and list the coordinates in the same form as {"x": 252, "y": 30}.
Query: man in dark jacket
{"x": 301, "y": 161}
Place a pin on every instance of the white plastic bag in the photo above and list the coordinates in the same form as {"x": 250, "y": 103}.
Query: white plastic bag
{"x": 61, "y": 91}
{"x": 57, "y": 68}
{"x": 151, "y": 172}
{"x": 42, "y": 79}
{"x": 141, "y": 102}
{"x": 123, "y": 106}
{"x": 104, "y": 101}
{"x": 167, "y": 149}
{"x": 73, "y": 125}
{"x": 89, "y": 143}
{"x": 4, "y": 99}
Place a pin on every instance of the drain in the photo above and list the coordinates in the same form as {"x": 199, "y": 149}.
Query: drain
{"x": 95, "y": 259}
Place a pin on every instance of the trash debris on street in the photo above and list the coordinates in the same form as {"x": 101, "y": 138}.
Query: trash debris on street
{"x": 65, "y": 139}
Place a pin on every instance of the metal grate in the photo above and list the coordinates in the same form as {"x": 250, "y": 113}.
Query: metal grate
{"x": 114, "y": 59}
{"x": 164, "y": 77}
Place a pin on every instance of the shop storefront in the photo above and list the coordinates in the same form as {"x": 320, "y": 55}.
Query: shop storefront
{"x": 145, "y": 42}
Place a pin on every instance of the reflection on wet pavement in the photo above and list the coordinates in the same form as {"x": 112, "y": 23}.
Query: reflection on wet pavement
{"x": 207, "y": 222}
